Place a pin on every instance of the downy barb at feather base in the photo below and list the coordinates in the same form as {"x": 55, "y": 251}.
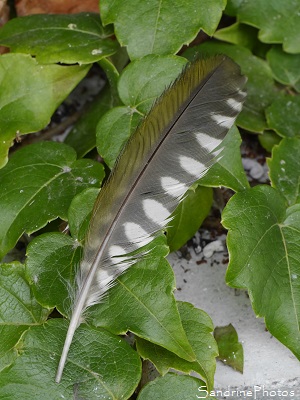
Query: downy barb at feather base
{"x": 175, "y": 145}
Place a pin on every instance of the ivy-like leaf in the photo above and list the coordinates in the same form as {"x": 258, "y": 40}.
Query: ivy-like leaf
{"x": 149, "y": 309}
{"x": 64, "y": 38}
{"x": 264, "y": 242}
{"x": 18, "y": 310}
{"x": 283, "y": 115}
{"x": 260, "y": 86}
{"x": 137, "y": 91}
{"x": 37, "y": 186}
{"x": 174, "y": 387}
{"x": 198, "y": 327}
{"x": 189, "y": 215}
{"x": 284, "y": 171}
{"x": 29, "y": 95}
{"x": 230, "y": 349}
{"x": 100, "y": 365}
{"x": 278, "y": 23}
{"x": 285, "y": 67}
{"x": 160, "y": 27}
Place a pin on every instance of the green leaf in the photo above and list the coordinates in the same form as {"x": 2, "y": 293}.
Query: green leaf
{"x": 138, "y": 91}
{"x": 189, "y": 215}
{"x": 82, "y": 137}
{"x": 229, "y": 171}
{"x": 198, "y": 327}
{"x": 112, "y": 75}
{"x": 230, "y": 349}
{"x": 243, "y": 35}
{"x": 29, "y": 95}
{"x": 64, "y": 38}
{"x": 174, "y": 387}
{"x": 18, "y": 310}
{"x": 155, "y": 27}
{"x": 148, "y": 310}
{"x": 100, "y": 365}
{"x": 79, "y": 213}
{"x": 278, "y": 22}
{"x": 283, "y": 116}
{"x": 113, "y": 130}
{"x": 260, "y": 85}
{"x": 284, "y": 169}
{"x": 285, "y": 67}
{"x": 50, "y": 269}
{"x": 263, "y": 242}
{"x": 37, "y": 186}
{"x": 268, "y": 140}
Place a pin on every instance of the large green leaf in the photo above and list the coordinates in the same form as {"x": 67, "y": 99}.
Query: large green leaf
{"x": 283, "y": 115}
{"x": 37, "y": 186}
{"x": 278, "y": 20}
{"x": 137, "y": 91}
{"x": 174, "y": 387}
{"x": 29, "y": 95}
{"x": 18, "y": 310}
{"x": 285, "y": 169}
{"x": 260, "y": 86}
{"x": 65, "y": 38}
{"x": 142, "y": 302}
{"x": 160, "y": 27}
{"x": 189, "y": 215}
{"x": 99, "y": 366}
{"x": 263, "y": 242}
{"x": 285, "y": 67}
{"x": 198, "y": 327}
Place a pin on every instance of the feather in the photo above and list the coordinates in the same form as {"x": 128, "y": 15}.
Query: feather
{"x": 175, "y": 145}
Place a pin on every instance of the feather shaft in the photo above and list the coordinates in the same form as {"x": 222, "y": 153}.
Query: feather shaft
{"x": 174, "y": 146}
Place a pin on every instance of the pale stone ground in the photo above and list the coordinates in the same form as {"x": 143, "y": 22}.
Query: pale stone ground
{"x": 267, "y": 363}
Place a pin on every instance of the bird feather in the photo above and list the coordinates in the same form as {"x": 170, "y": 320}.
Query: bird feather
{"x": 175, "y": 145}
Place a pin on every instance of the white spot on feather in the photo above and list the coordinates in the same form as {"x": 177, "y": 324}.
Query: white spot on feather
{"x": 191, "y": 166}
{"x": 136, "y": 234}
{"x": 115, "y": 251}
{"x": 236, "y": 105}
{"x": 223, "y": 120}
{"x": 207, "y": 142}
{"x": 242, "y": 93}
{"x": 172, "y": 186}
{"x": 104, "y": 278}
{"x": 155, "y": 211}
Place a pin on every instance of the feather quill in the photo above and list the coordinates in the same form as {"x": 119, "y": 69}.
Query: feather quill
{"x": 175, "y": 145}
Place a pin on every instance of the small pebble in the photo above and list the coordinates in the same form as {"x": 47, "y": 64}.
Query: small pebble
{"x": 212, "y": 247}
